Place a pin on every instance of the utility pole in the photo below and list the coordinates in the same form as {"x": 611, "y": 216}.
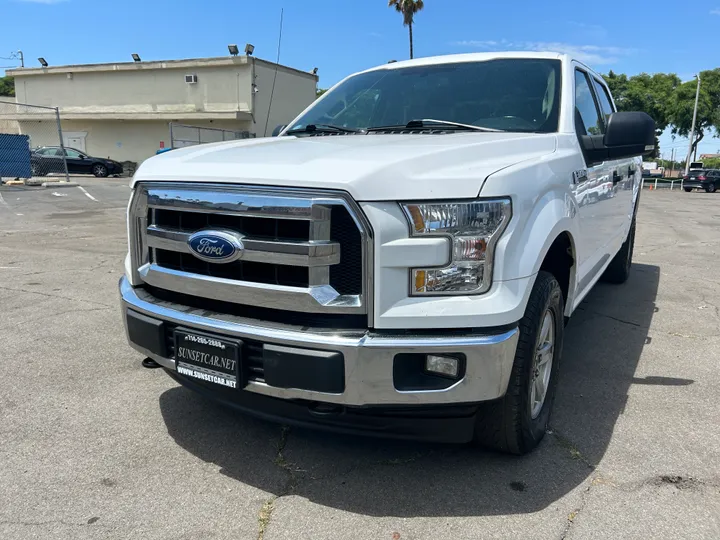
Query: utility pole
{"x": 672, "y": 162}
{"x": 22, "y": 59}
{"x": 692, "y": 131}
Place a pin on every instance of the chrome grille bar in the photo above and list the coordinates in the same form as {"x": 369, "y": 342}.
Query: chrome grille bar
{"x": 317, "y": 299}
{"x": 316, "y": 253}
{"x": 250, "y": 204}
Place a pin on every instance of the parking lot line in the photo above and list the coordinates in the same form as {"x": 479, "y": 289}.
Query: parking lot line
{"x": 6, "y": 205}
{"x": 87, "y": 194}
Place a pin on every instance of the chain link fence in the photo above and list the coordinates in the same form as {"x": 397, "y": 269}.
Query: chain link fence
{"x": 31, "y": 142}
{"x": 182, "y": 135}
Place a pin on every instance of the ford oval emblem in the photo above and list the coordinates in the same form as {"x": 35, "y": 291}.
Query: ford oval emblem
{"x": 216, "y": 246}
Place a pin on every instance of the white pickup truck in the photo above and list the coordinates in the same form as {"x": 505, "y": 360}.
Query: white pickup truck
{"x": 402, "y": 258}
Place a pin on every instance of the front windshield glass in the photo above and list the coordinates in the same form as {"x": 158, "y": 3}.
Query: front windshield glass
{"x": 504, "y": 94}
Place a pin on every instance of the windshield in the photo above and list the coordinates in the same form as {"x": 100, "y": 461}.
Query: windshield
{"x": 505, "y": 94}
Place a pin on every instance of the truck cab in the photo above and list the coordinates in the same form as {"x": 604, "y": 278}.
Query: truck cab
{"x": 401, "y": 259}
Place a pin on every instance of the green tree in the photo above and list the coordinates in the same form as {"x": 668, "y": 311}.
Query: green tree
{"x": 708, "y": 115}
{"x": 652, "y": 94}
{"x": 319, "y": 92}
{"x": 408, "y": 9}
{"x": 7, "y": 86}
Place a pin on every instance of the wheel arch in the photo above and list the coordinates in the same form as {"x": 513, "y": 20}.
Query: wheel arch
{"x": 561, "y": 261}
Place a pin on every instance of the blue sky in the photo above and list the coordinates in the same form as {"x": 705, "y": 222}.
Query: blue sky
{"x": 343, "y": 36}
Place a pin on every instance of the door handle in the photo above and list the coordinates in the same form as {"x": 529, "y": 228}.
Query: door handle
{"x": 616, "y": 177}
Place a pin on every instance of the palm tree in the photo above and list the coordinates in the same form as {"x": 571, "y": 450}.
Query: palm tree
{"x": 408, "y": 8}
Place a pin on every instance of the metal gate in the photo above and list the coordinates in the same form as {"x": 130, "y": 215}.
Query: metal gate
{"x": 31, "y": 142}
{"x": 182, "y": 135}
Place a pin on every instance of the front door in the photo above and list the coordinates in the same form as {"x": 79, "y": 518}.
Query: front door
{"x": 624, "y": 171}
{"x": 77, "y": 163}
{"x": 595, "y": 192}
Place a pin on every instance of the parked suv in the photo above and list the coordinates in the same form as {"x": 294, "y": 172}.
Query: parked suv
{"x": 48, "y": 159}
{"x": 707, "y": 179}
{"x": 402, "y": 258}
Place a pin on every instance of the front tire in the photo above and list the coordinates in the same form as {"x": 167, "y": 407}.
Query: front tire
{"x": 517, "y": 422}
{"x": 36, "y": 169}
{"x": 100, "y": 170}
{"x": 619, "y": 269}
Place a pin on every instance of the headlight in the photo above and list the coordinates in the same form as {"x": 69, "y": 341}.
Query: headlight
{"x": 473, "y": 229}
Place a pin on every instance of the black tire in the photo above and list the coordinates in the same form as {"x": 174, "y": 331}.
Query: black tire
{"x": 100, "y": 170}
{"x": 507, "y": 424}
{"x": 687, "y": 189}
{"x": 619, "y": 269}
{"x": 710, "y": 188}
{"x": 36, "y": 169}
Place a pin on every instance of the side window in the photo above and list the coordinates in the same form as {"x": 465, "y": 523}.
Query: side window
{"x": 587, "y": 119}
{"x": 54, "y": 152}
{"x": 69, "y": 152}
{"x": 604, "y": 99}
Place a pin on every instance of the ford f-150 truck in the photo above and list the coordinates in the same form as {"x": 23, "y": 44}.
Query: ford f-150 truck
{"x": 401, "y": 260}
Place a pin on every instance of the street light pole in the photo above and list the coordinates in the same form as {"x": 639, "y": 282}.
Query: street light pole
{"x": 692, "y": 131}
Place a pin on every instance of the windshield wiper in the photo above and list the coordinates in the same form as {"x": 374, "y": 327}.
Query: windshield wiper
{"x": 425, "y": 122}
{"x": 323, "y": 128}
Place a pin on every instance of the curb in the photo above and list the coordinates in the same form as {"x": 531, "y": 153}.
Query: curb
{"x": 59, "y": 184}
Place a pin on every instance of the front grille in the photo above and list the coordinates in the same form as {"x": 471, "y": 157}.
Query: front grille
{"x": 303, "y": 253}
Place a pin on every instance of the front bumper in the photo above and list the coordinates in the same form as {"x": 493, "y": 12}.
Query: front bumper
{"x": 368, "y": 356}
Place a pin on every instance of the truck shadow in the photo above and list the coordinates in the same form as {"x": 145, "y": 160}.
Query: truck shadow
{"x": 603, "y": 344}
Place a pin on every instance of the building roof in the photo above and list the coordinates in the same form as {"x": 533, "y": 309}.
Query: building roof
{"x": 187, "y": 63}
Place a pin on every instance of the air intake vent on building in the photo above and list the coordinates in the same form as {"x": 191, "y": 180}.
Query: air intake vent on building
{"x": 191, "y": 79}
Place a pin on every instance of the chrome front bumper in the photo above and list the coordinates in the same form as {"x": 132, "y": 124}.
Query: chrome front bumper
{"x": 368, "y": 356}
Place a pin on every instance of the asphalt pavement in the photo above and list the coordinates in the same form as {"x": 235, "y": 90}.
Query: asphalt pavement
{"x": 92, "y": 445}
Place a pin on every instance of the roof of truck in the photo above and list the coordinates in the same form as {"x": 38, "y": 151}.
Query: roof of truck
{"x": 471, "y": 57}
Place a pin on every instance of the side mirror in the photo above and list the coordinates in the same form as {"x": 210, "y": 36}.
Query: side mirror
{"x": 278, "y": 129}
{"x": 82, "y": 157}
{"x": 628, "y": 134}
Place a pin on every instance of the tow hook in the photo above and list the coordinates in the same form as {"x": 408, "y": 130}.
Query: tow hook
{"x": 149, "y": 363}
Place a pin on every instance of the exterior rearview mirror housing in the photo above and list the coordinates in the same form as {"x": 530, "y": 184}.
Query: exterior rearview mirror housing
{"x": 628, "y": 134}
{"x": 278, "y": 130}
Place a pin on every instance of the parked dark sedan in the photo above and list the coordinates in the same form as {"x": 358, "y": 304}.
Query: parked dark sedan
{"x": 48, "y": 159}
{"x": 707, "y": 179}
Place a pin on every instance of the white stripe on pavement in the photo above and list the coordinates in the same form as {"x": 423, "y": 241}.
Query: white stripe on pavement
{"x": 87, "y": 194}
{"x": 6, "y": 205}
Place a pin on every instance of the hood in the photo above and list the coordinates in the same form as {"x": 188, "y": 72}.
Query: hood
{"x": 382, "y": 167}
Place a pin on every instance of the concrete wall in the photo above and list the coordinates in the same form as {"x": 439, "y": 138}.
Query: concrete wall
{"x": 292, "y": 95}
{"x": 121, "y": 140}
{"x": 219, "y": 89}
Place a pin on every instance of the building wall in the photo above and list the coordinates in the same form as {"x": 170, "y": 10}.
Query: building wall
{"x": 223, "y": 88}
{"x": 121, "y": 140}
{"x": 292, "y": 95}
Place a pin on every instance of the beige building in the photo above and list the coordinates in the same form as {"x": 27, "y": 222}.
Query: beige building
{"x": 123, "y": 110}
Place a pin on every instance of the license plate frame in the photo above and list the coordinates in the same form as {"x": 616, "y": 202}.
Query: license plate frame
{"x": 208, "y": 358}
